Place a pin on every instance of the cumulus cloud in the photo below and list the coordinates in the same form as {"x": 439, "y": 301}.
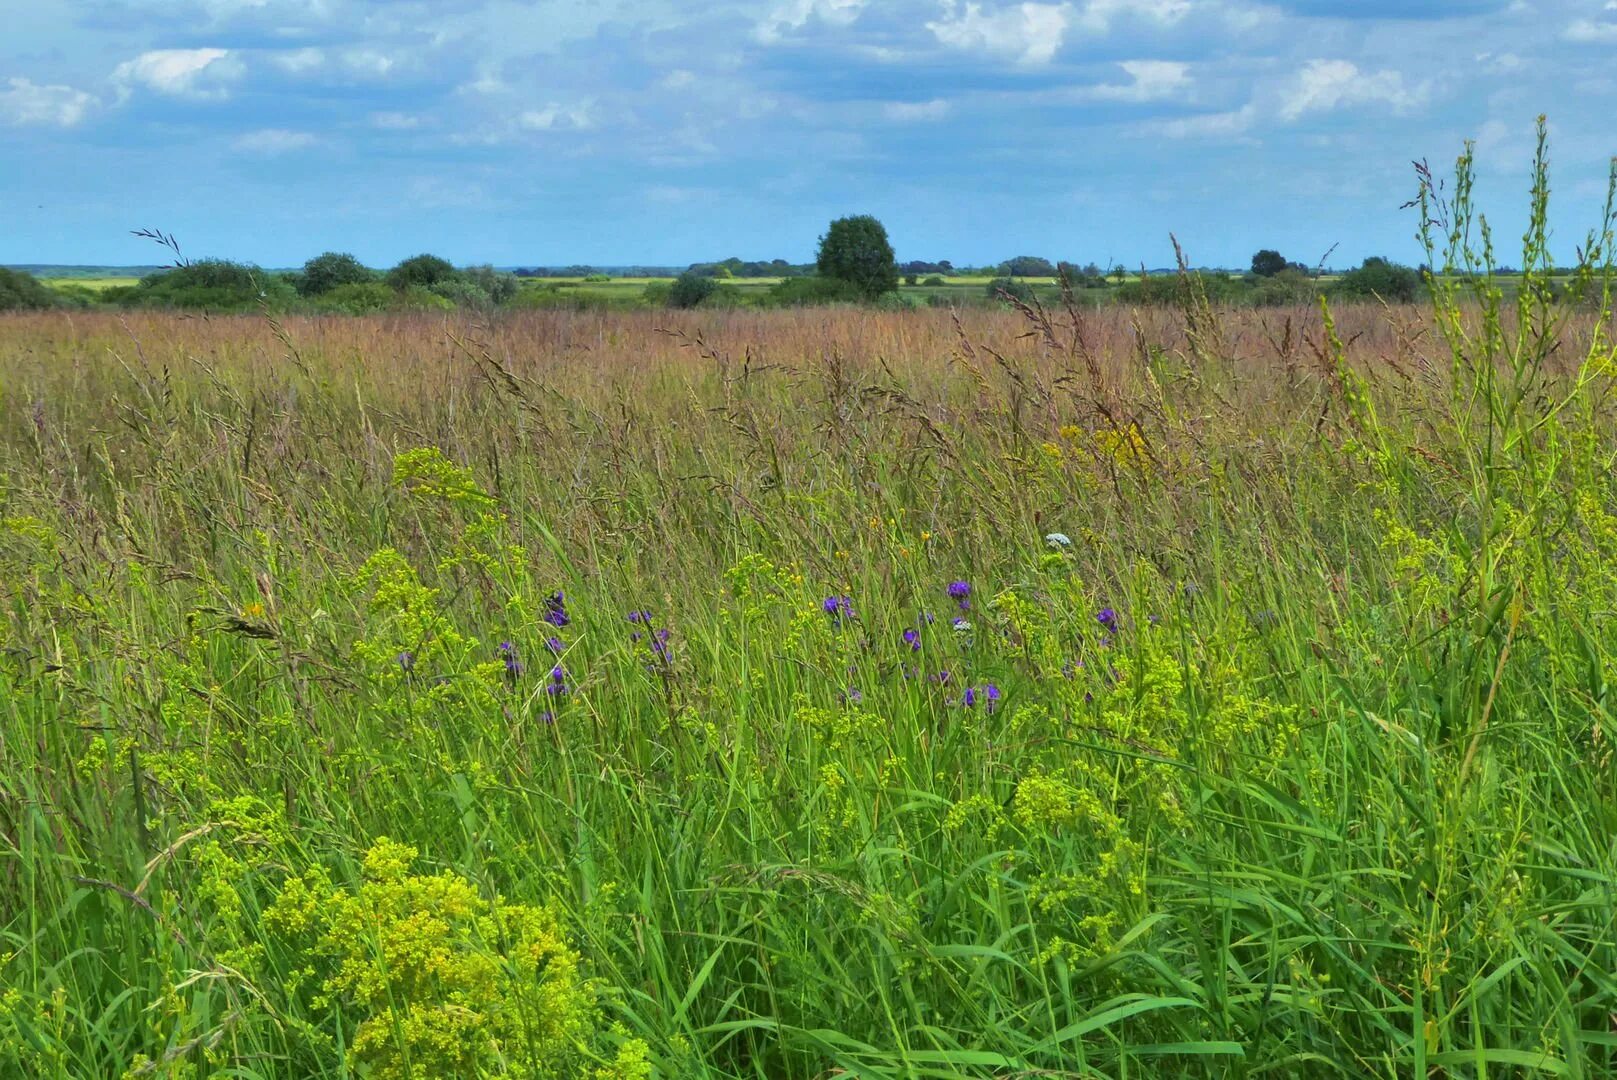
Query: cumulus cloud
{"x": 1150, "y": 80}
{"x": 28, "y": 103}
{"x": 271, "y": 142}
{"x": 198, "y": 73}
{"x": 1230, "y": 124}
{"x": 556, "y": 117}
{"x": 791, "y": 15}
{"x": 1029, "y": 33}
{"x": 1098, "y": 15}
{"x": 1324, "y": 85}
{"x": 1589, "y": 31}
{"x": 905, "y": 112}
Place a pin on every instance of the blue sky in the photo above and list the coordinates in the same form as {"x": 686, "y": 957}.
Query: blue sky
{"x": 666, "y": 131}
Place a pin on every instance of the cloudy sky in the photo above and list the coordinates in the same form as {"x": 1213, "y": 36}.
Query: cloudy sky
{"x": 669, "y": 131}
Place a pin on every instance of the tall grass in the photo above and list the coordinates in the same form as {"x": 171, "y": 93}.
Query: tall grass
{"x": 1274, "y": 738}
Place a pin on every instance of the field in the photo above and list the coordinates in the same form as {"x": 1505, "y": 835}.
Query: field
{"x": 808, "y": 692}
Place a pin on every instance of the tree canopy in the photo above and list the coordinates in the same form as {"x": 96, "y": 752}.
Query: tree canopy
{"x": 855, "y": 250}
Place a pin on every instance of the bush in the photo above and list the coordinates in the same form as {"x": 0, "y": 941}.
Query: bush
{"x": 332, "y": 270}
{"x": 690, "y": 289}
{"x": 212, "y": 285}
{"x": 421, "y": 270}
{"x": 361, "y": 298}
{"x": 464, "y": 294}
{"x": 1381, "y": 279}
{"x": 597, "y": 278}
{"x": 812, "y": 291}
{"x": 934, "y": 281}
{"x": 23, "y": 292}
{"x": 500, "y": 288}
{"x": 656, "y": 293}
{"x": 1016, "y": 288}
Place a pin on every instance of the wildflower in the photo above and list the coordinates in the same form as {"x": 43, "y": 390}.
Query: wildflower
{"x": 941, "y": 678}
{"x": 558, "y": 674}
{"x": 838, "y": 607}
{"x": 659, "y": 644}
{"x": 1107, "y": 618}
{"x": 554, "y": 644}
{"x": 991, "y": 696}
{"x": 961, "y": 592}
{"x": 640, "y": 617}
{"x": 547, "y": 717}
{"x": 969, "y": 699}
{"x": 513, "y": 665}
{"x": 912, "y": 638}
{"x": 961, "y": 624}
{"x": 1058, "y": 540}
{"x": 851, "y": 696}
{"x": 407, "y": 661}
{"x": 556, "y": 610}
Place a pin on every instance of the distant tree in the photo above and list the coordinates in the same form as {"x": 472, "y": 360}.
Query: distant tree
{"x": 500, "y": 288}
{"x": 1027, "y": 266}
{"x": 1119, "y": 273}
{"x": 934, "y": 281}
{"x": 690, "y": 289}
{"x": 1268, "y": 263}
{"x": 856, "y": 251}
{"x": 23, "y": 292}
{"x": 911, "y": 279}
{"x": 1380, "y": 278}
{"x": 423, "y": 271}
{"x": 325, "y": 272}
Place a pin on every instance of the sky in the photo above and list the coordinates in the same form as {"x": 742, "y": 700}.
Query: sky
{"x": 615, "y": 132}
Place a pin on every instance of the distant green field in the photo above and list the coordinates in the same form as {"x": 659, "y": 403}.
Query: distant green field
{"x": 96, "y": 283}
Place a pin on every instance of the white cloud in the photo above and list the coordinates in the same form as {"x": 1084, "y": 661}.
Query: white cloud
{"x": 795, "y": 14}
{"x": 1323, "y": 85}
{"x": 270, "y": 142}
{"x": 299, "y": 61}
{"x": 677, "y": 79}
{"x": 27, "y": 102}
{"x": 394, "y": 121}
{"x": 1219, "y": 125}
{"x": 1028, "y": 33}
{"x": 1590, "y": 31}
{"x": 913, "y": 111}
{"x": 1152, "y": 80}
{"x": 1097, "y": 15}
{"x": 180, "y": 72}
{"x": 555, "y": 117}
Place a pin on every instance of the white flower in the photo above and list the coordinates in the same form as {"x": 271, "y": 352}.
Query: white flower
{"x": 1058, "y": 540}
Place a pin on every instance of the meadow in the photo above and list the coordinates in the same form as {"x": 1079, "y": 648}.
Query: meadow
{"x": 802, "y": 693}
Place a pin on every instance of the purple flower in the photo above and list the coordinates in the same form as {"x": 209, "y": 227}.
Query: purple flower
{"x": 959, "y": 623}
{"x": 407, "y": 661}
{"x": 969, "y": 699}
{"x": 547, "y": 717}
{"x": 851, "y": 696}
{"x": 959, "y": 590}
{"x": 838, "y": 607}
{"x": 941, "y": 678}
{"x": 513, "y": 666}
{"x": 1107, "y": 618}
{"x": 640, "y": 616}
{"x": 659, "y": 644}
{"x": 558, "y": 674}
{"x": 554, "y": 644}
{"x": 991, "y": 695}
{"x": 556, "y": 610}
{"x": 912, "y": 638}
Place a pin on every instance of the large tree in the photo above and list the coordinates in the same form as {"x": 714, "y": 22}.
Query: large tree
{"x": 1268, "y": 263}
{"x": 423, "y": 270}
{"x": 855, "y": 250}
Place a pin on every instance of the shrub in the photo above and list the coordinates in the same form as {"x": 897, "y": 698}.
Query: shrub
{"x": 423, "y": 270}
{"x": 1379, "y": 278}
{"x": 690, "y": 289}
{"x": 810, "y": 291}
{"x": 597, "y": 278}
{"x": 361, "y": 298}
{"x": 500, "y": 288}
{"x": 23, "y": 292}
{"x": 332, "y": 270}
{"x": 1015, "y": 288}
{"x": 210, "y": 284}
{"x": 934, "y": 281}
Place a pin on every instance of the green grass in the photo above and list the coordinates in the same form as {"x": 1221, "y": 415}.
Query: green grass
{"x": 94, "y": 283}
{"x": 1298, "y": 759}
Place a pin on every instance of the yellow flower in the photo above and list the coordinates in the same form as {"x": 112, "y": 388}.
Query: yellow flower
{"x": 253, "y": 610}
